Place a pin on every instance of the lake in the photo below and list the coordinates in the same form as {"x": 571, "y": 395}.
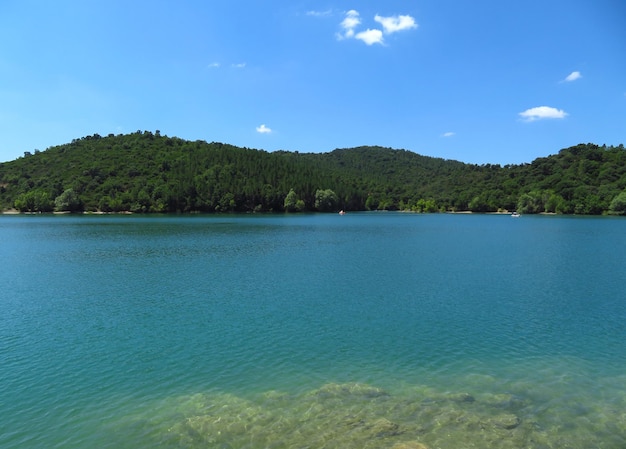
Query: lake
{"x": 368, "y": 330}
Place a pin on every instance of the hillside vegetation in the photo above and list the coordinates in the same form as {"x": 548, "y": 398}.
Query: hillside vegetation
{"x": 147, "y": 172}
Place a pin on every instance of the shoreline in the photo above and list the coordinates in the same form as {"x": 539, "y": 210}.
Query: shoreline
{"x": 461, "y": 212}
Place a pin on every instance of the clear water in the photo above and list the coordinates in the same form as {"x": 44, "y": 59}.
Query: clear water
{"x": 372, "y": 330}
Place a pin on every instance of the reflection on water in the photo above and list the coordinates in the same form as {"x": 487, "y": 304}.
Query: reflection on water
{"x": 355, "y": 415}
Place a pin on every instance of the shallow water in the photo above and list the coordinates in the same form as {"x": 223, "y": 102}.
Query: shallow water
{"x": 363, "y": 330}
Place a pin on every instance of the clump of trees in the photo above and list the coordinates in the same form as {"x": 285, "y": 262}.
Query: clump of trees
{"x": 145, "y": 172}
{"x": 618, "y": 204}
{"x": 38, "y": 200}
{"x": 326, "y": 200}
{"x": 292, "y": 203}
{"x": 538, "y": 201}
{"x": 68, "y": 201}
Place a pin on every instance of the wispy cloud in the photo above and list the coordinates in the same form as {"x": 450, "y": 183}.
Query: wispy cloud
{"x": 394, "y": 24}
{"x": 371, "y": 36}
{"x": 572, "y": 77}
{"x": 217, "y": 65}
{"x": 349, "y": 23}
{"x": 542, "y": 112}
{"x": 448, "y": 134}
{"x": 263, "y": 129}
{"x": 319, "y": 13}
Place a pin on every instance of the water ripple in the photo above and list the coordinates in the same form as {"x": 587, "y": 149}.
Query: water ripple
{"x": 131, "y": 332}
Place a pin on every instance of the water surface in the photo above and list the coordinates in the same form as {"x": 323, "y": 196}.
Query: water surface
{"x": 363, "y": 330}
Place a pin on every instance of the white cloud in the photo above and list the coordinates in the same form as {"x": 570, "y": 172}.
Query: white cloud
{"x": 391, "y": 24}
{"x": 241, "y": 65}
{"x": 542, "y": 112}
{"x": 351, "y": 21}
{"x": 263, "y": 129}
{"x": 396, "y": 23}
{"x": 214, "y": 65}
{"x": 573, "y": 76}
{"x": 448, "y": 134}
{"x": 370, "y": 37}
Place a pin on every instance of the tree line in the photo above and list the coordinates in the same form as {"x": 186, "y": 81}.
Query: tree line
{"x": 146, "y": 172}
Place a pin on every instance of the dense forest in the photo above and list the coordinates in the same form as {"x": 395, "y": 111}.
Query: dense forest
{"x": 147, "y": 172}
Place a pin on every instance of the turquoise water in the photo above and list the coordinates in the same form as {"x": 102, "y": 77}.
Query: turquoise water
{"x": 377, "y": 330}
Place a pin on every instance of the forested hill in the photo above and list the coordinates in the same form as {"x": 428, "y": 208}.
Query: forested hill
{"x": 148, "y": 172}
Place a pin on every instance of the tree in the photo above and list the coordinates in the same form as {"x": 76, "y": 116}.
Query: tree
{"x": 618, "y": 204}
{"x": 326, "y": 200}
{"x": 227, "y": 202}
{"x": 105, "y": 204}
{"x": 424, "y": 205}
{"x": 554, "y": 203}
{"x": 530, "y": 203}
{"x": 290, "y": 201}
{"x": 371, "y": 203}
{"x": 68, "y": 201}
{"x": 33, "y": 201}
{"x": 478, "y": 204}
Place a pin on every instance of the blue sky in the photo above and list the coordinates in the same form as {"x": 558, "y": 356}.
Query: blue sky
{"x": 486, "y": 81}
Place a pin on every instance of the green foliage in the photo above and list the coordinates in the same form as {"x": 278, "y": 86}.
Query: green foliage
{"x": 479, "y": 204}
{"x": 553, "y": 203}
{"x": 371, "y": 203}
{"x": 293, "y": 203}
{"x": 326, "y": 200}
{"x": 530, "y": 203}
{"x": 423, "y": 206}
{"x": 68, "y": 201}
{"x": 144, "y": 172}
{"x": 618, "y": 204}
{"x": 33, "y": 201}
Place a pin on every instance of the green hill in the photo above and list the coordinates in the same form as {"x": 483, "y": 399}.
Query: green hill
{"x": 148, "y": 172}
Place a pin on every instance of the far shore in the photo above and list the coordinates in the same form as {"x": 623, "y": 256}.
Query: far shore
{"x": 17, "y": 212}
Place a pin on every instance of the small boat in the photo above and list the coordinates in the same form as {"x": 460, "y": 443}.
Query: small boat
{"x": 515, "y": 215}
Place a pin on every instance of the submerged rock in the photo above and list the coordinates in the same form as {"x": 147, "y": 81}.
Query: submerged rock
{"x": 351, "y": 415}
{"x": 505, "y": 421}
{"x": 505, "y": 401}
{"x": 409, "y": 445}
{"x": 384, "y": 428}
{"x": 461, "y": 397}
